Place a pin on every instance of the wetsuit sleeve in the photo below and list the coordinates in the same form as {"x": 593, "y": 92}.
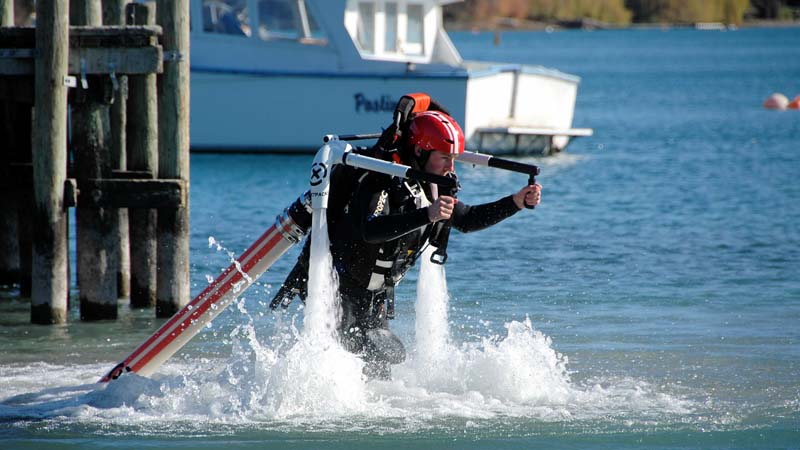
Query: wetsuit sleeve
{"x": 379, "y": 223}
{"x": 473, "y": 218}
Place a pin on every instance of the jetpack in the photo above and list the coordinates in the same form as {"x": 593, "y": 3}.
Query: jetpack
{"x": 289, "y": 228}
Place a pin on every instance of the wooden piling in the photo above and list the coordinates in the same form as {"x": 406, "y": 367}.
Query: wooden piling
{"x": 97, "y": 227}
{"x": 21, "y": 154}
{"x": 16, "y": 177}
{"x": 9, "y": 241}
{"x": 6, "y": 13}
{"x": 25, "y": 226}
{"x": 142, "y": 146}
{"x": 114, "y": 14}
{"x": 38, "y": 66}
{"x": 85, "y": 12}
{"x": 173, "y": 163}
{"x": 9, "y": 234}
{"x": 23, "y": 13}
{"x": 49, "y": 258}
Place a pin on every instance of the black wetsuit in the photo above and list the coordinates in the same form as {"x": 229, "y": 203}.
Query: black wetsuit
{"x": 375, "y": 238}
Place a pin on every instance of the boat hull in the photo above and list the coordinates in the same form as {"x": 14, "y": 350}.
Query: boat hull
{"x": 291, "y": 112}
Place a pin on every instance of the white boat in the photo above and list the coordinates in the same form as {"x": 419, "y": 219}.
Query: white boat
{"x": 278, "y": 75}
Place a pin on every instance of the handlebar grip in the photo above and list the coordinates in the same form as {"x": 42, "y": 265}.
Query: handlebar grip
{"x": 531, "y": 181}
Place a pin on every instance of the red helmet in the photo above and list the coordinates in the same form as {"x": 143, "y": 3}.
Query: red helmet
{"x": 434, "y": 130}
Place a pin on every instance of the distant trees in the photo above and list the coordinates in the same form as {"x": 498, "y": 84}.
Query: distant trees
{"x": 688, "y": 11}
{"x": 776, "y": 9}
{"x": 610, "y": 11}
{"x": 622, "y": 12}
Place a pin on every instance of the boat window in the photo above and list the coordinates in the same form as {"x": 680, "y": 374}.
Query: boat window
{"x": 394, "y": 29}
{"x": 366, "y": 26}
{"x": 391, "y": 27}
{"x": 278, "y": 19}
{"x": 288, "y": 19}
{"x": 226, "y": 17}
{"x": 414, "y": 31}
{"x": 313, "y": 26}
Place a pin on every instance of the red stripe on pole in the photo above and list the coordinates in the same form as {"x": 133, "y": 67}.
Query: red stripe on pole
{"x": 193, "y": 303}
{"x": 201, "y": 309}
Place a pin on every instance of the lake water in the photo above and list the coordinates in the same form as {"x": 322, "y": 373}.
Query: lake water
{"x": 652, "y": 300}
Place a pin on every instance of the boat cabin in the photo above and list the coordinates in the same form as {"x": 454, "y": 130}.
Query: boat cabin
{"x": 385, "y": 30}
{"x": 277, "y": 75}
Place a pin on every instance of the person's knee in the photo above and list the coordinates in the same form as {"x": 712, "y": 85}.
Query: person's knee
{"x": 383, "y": 345}
{"x": 353, "y": 339}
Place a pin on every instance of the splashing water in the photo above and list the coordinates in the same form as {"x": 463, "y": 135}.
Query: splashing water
{"x": 292, "y": 384}
{"x": 213, "y": 243}
{"x": 432, "y": 329}
{"x": 514, "y": 368}
{"x": 431, "y": 326}
{"x": 434, "y": 351}
{"x": 301, "y": 377}
{"x": 322, "y": 307}
{"x": 317, "y": 371}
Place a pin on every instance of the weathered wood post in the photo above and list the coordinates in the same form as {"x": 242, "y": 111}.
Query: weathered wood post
{"x": 25, "y": 227}
{"x": 142, "y": 146}
{"x": 9, "y": 239}
{"x": 9, "y": 231}
{"x": 85, "y": 12}
{"x": 6, "y": 13}
{"x": 173, "y": 161}
{"x": 50, "y": 283}
{"x": 114, "y": 14}
{"x": 9, "y": 242}
{"x": 16, "y": 181}
{"x": 23, "y": 12}
{"x": 97, "y": 227}
{"x": 22, "y": 153}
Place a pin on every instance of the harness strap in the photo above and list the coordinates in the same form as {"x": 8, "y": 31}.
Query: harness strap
{"x": 375, "y": 302}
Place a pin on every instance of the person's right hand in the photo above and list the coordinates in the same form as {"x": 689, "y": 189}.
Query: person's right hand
{"x": 442, "y": 208}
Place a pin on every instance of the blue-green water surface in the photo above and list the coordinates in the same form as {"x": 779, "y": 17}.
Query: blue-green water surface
{"x": 652, "y": 300}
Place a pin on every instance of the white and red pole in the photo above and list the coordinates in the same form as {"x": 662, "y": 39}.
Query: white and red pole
{"x": 187, "y": 322}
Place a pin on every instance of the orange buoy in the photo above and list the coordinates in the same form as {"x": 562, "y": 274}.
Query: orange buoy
{"x": 776, "y": 101}
{"x": 794, "y": 104}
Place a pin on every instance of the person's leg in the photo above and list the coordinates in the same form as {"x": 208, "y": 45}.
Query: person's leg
{"x": 381, "y": 350}
{"x": 351, "y": 330}
{"x": 381, "y": 347}
{"x": 364, "y": 330}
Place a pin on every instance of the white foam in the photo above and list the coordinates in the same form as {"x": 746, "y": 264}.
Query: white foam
{"x": 304, "y": 377}
{"x": 317, "y": 372}
{"x": 517, "y": 375}
{"x": 432, "y": 329}
{"x": 322, "y": 308}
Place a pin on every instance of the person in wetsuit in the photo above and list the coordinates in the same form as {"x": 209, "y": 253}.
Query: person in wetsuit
{"x": 385, "y": 225}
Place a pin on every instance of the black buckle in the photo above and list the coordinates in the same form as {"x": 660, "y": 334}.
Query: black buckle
{"x": 389, "y": 302}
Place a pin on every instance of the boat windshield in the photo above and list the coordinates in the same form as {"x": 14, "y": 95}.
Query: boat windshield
{"x": 226, "y": 17}
{"x": 275, "y": 19}
{"x": 288, "y": 19}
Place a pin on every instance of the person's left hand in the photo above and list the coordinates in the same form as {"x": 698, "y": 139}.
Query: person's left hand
{"x": 530, "y": 194}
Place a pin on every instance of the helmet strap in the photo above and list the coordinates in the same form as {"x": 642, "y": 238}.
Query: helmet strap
{"x": 423, "y": 157}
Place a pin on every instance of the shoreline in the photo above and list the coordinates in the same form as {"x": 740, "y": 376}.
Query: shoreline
{"x": 510, "y": 24}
